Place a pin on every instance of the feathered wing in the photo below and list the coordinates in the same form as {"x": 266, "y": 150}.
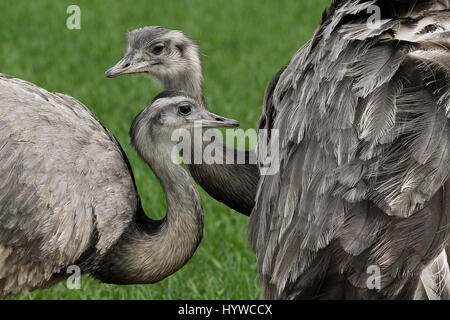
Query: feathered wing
{"x": 65, "y": 191}
{"x": 364, "y": 134}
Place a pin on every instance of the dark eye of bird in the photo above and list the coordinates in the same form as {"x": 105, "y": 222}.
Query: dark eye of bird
{"x": 184, "y": 109}
{"x": 157, "y": 49}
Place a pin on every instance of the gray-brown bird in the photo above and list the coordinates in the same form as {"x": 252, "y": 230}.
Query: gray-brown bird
{"x": 363, "y": 115}
{"x": 68, "y": 195}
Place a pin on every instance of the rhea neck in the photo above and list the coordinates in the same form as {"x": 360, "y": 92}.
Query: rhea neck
{"x": 190, "y": 80}
{"x": 149, "y": 250}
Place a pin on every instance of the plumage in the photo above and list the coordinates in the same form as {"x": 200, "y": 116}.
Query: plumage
{"x": 364, "y": 131}
{"x": 378, "y": 118}
{"x": 377, "y": 66}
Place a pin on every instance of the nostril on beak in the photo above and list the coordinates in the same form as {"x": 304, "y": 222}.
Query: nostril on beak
{"x": 127, "y": 65}
{"x": 219, "y": 119}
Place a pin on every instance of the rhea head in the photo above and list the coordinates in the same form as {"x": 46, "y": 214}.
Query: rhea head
{"x": 152, "y": 129}
{"x": 168, "y": 56}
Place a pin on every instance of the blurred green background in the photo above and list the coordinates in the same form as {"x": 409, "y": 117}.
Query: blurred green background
{"x": 244, "y": 43}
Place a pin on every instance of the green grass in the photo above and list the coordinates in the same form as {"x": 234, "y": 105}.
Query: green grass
{"x": 244, "y": 43}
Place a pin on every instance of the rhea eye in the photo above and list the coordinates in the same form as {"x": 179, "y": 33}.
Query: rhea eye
{"x": 184, "y": 109}
{"x": 157, "y": 49}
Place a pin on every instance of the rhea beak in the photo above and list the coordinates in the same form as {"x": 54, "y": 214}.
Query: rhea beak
{"x": 211, "y": 120}
{"x": 124, "y": 66}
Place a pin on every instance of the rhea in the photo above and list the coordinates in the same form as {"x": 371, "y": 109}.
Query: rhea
{"x": 173, "y": 59}
{"x": 68, "y": 195}
{"x": 363, "y": 189}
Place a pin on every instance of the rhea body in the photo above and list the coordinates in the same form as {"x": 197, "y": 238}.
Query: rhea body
{"x": 173, "y": 59}
{"x": 68, "y": 195}
{"x": 363, "y": 117}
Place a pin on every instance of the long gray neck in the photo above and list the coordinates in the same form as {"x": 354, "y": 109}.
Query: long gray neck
{"x": 151, "y": 250}
{"x": 191, "y": 83}
{"x": 235, "y": 184}
{"x": 190, "y": 80}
